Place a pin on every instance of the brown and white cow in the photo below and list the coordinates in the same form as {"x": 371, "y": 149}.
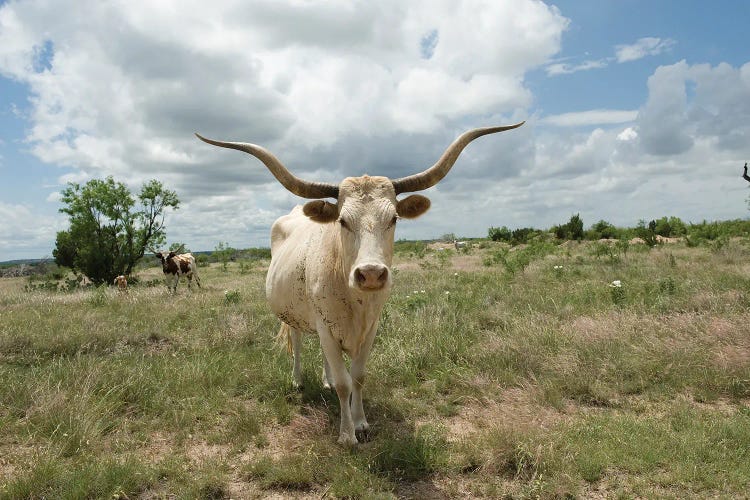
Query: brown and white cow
{"x": 122, "y": 283}
{"x": 330, "y": 268}
{"x": 175, "y": 265}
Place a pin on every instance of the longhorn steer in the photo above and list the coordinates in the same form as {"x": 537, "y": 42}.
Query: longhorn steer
{"x": 330, "y": 268}
{"x": 175, "y": 265}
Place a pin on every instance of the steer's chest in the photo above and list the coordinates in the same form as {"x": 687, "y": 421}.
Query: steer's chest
{"x": 321, "y": 304}
{"x": 349, "y": 319}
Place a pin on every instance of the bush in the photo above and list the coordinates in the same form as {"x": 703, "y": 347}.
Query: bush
{"x": 499, "y": 234}
{"x": 602, "y": 230}
{"x": 573, "y": 230}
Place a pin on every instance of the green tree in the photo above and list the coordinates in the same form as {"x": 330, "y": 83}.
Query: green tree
{"x": 499, "y": 233}
{"x": 224, "y": 253}
{"x": 575, "y": 227}
{"x": 573, "y": 230}
{"x": 109, "y": 232}
{"x": 603, "y": 229}
{"x": 647, "y": 232}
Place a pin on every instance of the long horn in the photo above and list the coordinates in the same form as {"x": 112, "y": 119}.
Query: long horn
{"x": 300, "y": 187}
{"x": 435, "y": 173}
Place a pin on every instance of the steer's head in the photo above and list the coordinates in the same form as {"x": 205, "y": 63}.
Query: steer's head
{"x": 166, "y": 260}
{"x": 365, "y": 214}
{"x": 366, "y": 208}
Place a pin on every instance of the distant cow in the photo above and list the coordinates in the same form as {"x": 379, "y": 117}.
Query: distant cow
{"x": 175, "y": 265}
{"x": 459, "y": 244}
{"x": 122, "y": 283}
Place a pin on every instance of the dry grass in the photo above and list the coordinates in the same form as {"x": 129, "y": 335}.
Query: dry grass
{"x": 495, "y": 381}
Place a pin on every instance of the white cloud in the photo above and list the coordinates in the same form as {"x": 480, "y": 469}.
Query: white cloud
{"x": 629, "y": 134}
{"x": 25, "y": 232}
{"x": 566, "y": 69}
{"x": 647, "y": 46}
{"x": 122, "y": 79}
{"x": 591, "y": 117}
{"x": 687, "y": 103}
{"x": 332, "y": 89}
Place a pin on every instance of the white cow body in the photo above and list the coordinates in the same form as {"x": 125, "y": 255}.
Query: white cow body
{"x": 313, "y": 286}
{"x": 307, "y": 283}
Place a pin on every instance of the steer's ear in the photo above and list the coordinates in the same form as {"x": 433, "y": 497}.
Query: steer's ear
{"x": 321, "y": 211}
{"x": 412, "y": 206}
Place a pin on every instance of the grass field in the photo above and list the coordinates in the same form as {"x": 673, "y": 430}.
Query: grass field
{"x": 523, "y": 374}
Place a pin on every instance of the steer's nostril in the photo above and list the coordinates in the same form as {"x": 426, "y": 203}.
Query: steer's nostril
{"x": 359, "y": 276}
{"x": 383, "y": 275}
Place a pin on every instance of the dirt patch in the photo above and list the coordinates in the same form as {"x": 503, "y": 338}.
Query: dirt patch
{"x": 667, "y": 240}
{"x": 199, "y": 452}
{"x": 158, "y": 447}
{"x": 440, "y": 246}
{"x": 515, "y": 408}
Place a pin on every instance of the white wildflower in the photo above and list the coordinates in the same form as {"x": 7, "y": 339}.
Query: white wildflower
{"x": 616, "y": 284}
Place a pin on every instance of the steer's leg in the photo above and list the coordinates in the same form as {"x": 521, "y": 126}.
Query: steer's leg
{"x": 358, "y": 382}
{"x": 332, "y": 352}
{"x": 328, "y": 381}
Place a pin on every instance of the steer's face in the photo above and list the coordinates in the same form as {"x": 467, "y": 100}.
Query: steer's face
{"x": 167, "y": 263}
{"x": 366, "y": 216}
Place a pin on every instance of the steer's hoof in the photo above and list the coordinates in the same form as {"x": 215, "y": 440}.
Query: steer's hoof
{"x": 347, "y": 440}
{"x": 363, "y": 435}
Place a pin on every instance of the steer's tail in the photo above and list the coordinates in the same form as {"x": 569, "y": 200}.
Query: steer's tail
{"x": 285, "y": 336}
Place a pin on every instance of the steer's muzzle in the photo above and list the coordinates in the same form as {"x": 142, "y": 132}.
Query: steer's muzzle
{"x": 371, "y": 277}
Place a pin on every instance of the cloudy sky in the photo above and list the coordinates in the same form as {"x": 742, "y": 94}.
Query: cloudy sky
{"x": 635, "y": 109}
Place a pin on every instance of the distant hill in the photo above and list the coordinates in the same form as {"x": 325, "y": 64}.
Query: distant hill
{"x": 18, "y": 262}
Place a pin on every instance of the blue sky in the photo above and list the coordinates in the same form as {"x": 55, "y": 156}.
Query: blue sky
{"x": 635, "y": 109}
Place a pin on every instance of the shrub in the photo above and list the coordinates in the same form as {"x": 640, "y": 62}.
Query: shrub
{"x": 499, "y": 234}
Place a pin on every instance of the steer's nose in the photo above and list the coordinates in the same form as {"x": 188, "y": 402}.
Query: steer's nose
{"x": 371, "y": 276}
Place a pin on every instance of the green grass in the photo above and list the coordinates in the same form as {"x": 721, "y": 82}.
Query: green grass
{"x": 495, "y": 372}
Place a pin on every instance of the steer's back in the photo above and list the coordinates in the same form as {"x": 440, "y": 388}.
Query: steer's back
{"x": 186, "y": 263}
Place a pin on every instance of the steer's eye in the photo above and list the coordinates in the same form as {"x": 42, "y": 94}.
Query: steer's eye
{"x": 393, "y": 221}
{"x": 344, "y": 224}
